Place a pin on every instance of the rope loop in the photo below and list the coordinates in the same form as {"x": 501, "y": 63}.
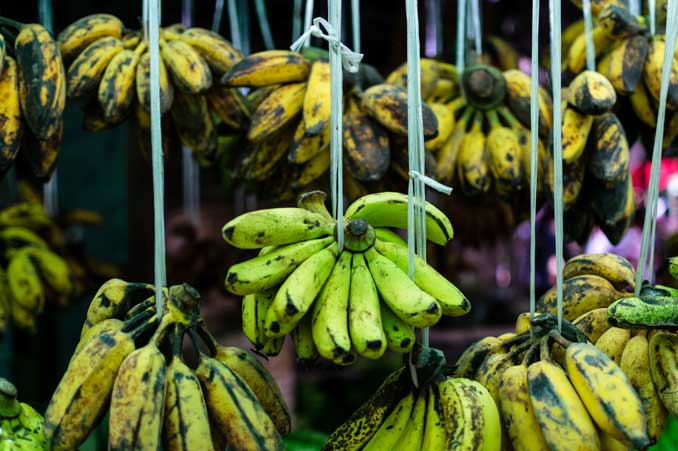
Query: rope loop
{"x": 350, "y": 60}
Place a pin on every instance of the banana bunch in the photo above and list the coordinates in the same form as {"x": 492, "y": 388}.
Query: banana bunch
{"x": 33, "y": 92}
{"x": 109, "y": 76}
{"x": 560, "y": 395}
{"x": 440, "y": 413}
{"x": 631, "y": 59}
{"x": 21, "y": 427}
{"x": 338, "y": 305}
{"x": 130, "y": 365}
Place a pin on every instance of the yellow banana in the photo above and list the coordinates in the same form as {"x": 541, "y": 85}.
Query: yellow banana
{"x": 435, "y": 435}
{"x": 518, "y": 95}
{"x": 609, "y": 158}
{"x": 446, "y": 123}
{"x": 413, "y": 433}
{"x": 580, "y": 295}
{"x": 388, "y": 105}
{"x": 472, "y": 161}
{"x": 663, "y": 347}
{"x": 24, "y": 282}
{"x": 643, "y": 106}
{"x": 616, "y": 269}
{"x": 626, "y": 63}
{"x": 54, "y": 271}
{"x": 189, "y": 70}
{"x": 389, "y": 434}
{"x": 364, "y": 313}
{"x": 429, "y": 75}
{"x": 87, "y": 70}
{"x": 505, "y": 157}
{"x": 230, "y": 106}
{"x": 219, "y": 54}
{"x": 116, "y": 90}
{"x": 317, "y": 101}
{"x": 591, "y": 93}
{"x": 114, "y": 298}
{"x": 448, "y": 154}
{"x": 612, "y": 343}
{"x": 10, "y": 115}
{"x": 143, "y": 84}
{"x": 576, "y": 54}
{"x": 304, "y": 148}
{"x": 267, "y": 68}
{"x": 366, "y": 147}
{"x": 314, "y": 168}
{"x": 652, "y": 71}
{"x": 84, "y": 31}
{"x": 276, "y": 111}
{"x": 593, "y": 323}
{"x": 576, "y": 128}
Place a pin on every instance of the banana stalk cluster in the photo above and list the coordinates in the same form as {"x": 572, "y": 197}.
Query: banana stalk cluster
{"x": 557, "y": 396}
{"x": 33, "y": 93}
{"x": 337, "y": 304}
{"x": 440, "y": 413}
{"x": 21, "y": 427}
{"x": 109, "y": 76}
{"x": 131, "y": 365}
{"x": 631, "y": 59}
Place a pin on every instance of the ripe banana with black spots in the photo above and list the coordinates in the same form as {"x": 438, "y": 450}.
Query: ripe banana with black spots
{"x": 143, "y": 84}
{"x": 576, "y": 128}
{"x": 190, "y": 73}
{"x": 12, "y": 128}
{"x": 87, "y": 70}
{"x": 219, "y": 54}
{"x": 317, "y": 100}
{"x": 616, "y": 269}
{"x": 612, "y": 343}
{"x": 276, "y": 111}
{"x": 580, "y": 295}
{"x": 591, "y": 93}
{"x": 116, "y": 91}
{"x": 652, "y": 72}
{"x": 518, "y": 95}
{"x": 267, "y": 68}
{"x": 473, "y": 170}
{"x": 505, "y": 157}
{"x": 86, "y": 30}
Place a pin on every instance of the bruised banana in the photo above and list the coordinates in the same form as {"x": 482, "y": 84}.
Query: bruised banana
{"x": 593, "y": 323}
{"x": 87, "y": 70}
{"x": 503, "y": 149}
{"x": 518, "y": 95}
{"x": 304, "y": 148}
{"x": 366, "y": 147}
{"x": 190, "y": 73}
{"x": 267, "y": 68}
{"x": 652, "y": 71}
{"x": 616, "y": 269}
{"x": 580, "y": 294}
{"x": 12, "y": 128}
{"x": 80, "y": 34}
{"x": 193, "y": 123}
{"x": 591, "y": 93}
{"x": 276, "y": 111}
{"x": 317, "y": 99}
{"x": 219, "y": 54}
{"x": 143, "y": 84}
{"x": 625, "y": 64}
{"x": 116, "y": 90}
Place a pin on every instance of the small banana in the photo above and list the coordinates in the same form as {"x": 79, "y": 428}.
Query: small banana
{"x": 518, "y": 95}
{"x": 313, "y": 169}
{"x": 87, "y": 70}
{"x": 84, "y": 31}
{"x": 616, "y": 269}
{"x": 267, "y": 68}
{"x": 652, "y": 71}
{"x": 612, "y": 343}
{"x": 24, "y": 283}
{"x": 505, "y": 157}
{"x": 664, "y": 370}
{"x": 193, "y": 123}
{"x": 413, "y": 434}
{"x": 219, "y": 54}
{"x": 232, "y": 107}
{"x": 38, "y": 156}
{"x": 446, "y": 122}
{"x": 304, "y": 346}
{"x": 304, "y": 148}
{"x": 12, "y": 128}
{"x": 576, "y": 128}
{"x": 116, "y": 90}
{"x": 276, "y": 111}
{"x": 472, "y": 161}
{"x": 54, "y": 271}
{"x": 317, "y": 99}
{"x": 366, "y": 147}
{"x": 113, "y": 299}
{"x": 389, "y": 434}
{"x": 591, "y": 93}
{"x": 609, "y": 156}
{"x": 143, "y": 84}
{"x": 593, "y": 323}
{"x": 190, "y": 73}
{"x": 580, "y": 294}
{"x": 364, "y": 313}
{"x": 643, "y": 106}
{"x": 448, "y": 154}
{"x": 626, "y": 63}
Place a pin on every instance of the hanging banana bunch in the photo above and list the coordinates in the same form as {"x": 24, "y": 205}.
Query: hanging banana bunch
{"x": 338, "y": 305}
{"x": 631, "y": 59}
{"x": 33, "y": 92}
{"x": 22, "y": 427}
{"x": 108, "y": 75}
{"x": 131, "y": 365}
{"x": 441, "y": 413}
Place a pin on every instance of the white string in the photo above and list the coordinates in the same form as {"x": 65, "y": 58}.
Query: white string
{"x": 588, "y": 33}
{"x": 634, "y": 7}
{"x": 349, "y": 59}
{"x": 152, "y": 29}
{"x": 557, "y": 152}
{"x": 50, "y": 190}
{"x": 308, "y": 16}
{"x": 653, "y": 188}
{"x": 218, "y": 14}
{"x": 477, "y": 27}
{"x": 461, "y": 36}
{"x": 296, "y": 19}
{"x": 355, "y": 25}
{"x": 534, "y": 151}
{"x": 652, "y": 10}
{"x": 266, "y": 34}
{"x": 233, "y": 22}
{"x": 337, "y": 59}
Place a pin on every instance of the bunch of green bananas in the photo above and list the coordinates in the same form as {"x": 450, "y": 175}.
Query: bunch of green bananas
{"x": 440, "y": 413}
{"x": 109, "y": 75}
{"x": 32, "y": 270}
{"x": 338, "y": 304}
{"x": 560, "y": 396}
{"x": 33, "y": 92}
{"x": 631, "y": 59}
{"x": 130, "y": 365}
{"x": 21, "y": 427}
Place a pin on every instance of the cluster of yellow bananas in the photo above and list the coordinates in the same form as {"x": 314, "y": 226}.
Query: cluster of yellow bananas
{"x": 31, "y": 272}
{"x": 331, "y": 301}
{"x": 33, "y": 93}
{"x": 21, "y": 427}
{"x": 631, "y": 60}
{"x": 130, "y": 364}
{"x": 441, "y": 413}
{"x": 109, "y": 74}
{"x": 567, "y": 396}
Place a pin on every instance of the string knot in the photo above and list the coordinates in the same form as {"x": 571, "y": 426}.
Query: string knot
{"x": 431, "y": 183}
{"x": 350, "y": 60}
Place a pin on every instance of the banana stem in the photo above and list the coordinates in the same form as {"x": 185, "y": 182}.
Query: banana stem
{"x": 530, "y": 354}
{"x": 207, "y": 338}
{"x": 143, "y": 327}
{"x": 544, "y": 350}
{"x": 9, "y": 405}
{"x": 562, "y": 341}
{"x": 508, "y": 116}
{"x": 493, "y": 118}
{"x": 9, "y": 35}
{"x": 194, "y": 341}
{"x": 518, "y": 339}
{"x": 477, "y": 121}
{"x": 11, "y": 23}
{"x": 137, "y": 319}
{"x": 177, "y": 339}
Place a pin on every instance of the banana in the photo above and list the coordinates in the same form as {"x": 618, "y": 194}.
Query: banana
{"x": 413, "y": 433}
{"x": 42, "y": 80}
{"x": 388, "y": 436}
{"x": 330, "y": 312}
{"x": 576, "y": 128}
{"x": 143, "y": 84}
{"x": 597, "y": 6}
{"x": 190, "y": 73}
{"x": 402, "y": 295}
{"x": 116, "y": 90}
{"x": 503, "y": 53}
{"x": 429, "y": 75}
{"x": 275, "y": 227}
{"x": 626, "y": 64}
{"x": 575, "y": 61}
{"x": 219, "y": 54}
{"x": 399, "y": 335}
{"x": 516, "y": 410}
{"x": 113, "y": 299}
{"x": 304, "y": 148}
{"x": 449, "y": 153}
{"x": 389, "y": 209}
{"x": 443, "y": 91}
{"x": 366, "y": 147}
{"x": 505, "y": 157}
{"x": 446, "y": 122}
{"x": 387, "y": 104}
{"x": 573, "y": 180}
{"x": 435, "y": 435}
{"x": 302, "y": 337}
{"x": 518, "y": 95}
{"x": 23, "y": 281}
{"x": 477, "y": 426}
{"x": 193, "y": 123}
{"x": 389, "y": 236}
{"x": 54, "y": 271}
{"x": 234, "y": 409}
{"x": 3, "y": 52}
{"x": 23, "y": 318}
{"x": 644, "y": 312}
{"x": 616, "y": 269}
{"x": 593, "y": 323}
{"x": 273, "y": 346}
{"x": 580, "y": 295}
{"x": 265, "y": 155}
{"x": 267, "y": 68}
{"x": 317, "y": 99}
{"x": 364, "y": 314}
{"x": 609, "y": 158}
{"x": 107, "y": 325}
{"x": 276, "y": 111}
{"x": 591, "y": 93}
{"x": 313, "y": 169}
{"x": 672, "y": 263}
{"x": 186, "y": 423}
{"x": 38, "y": 156}
{"x": 607, "y": 394}
{"x": 662, "y": 359}
{"x": 254, "y": 307}
{"x": 642, "y": 106}
{"x": 25, "y": 214}
{"x": 230, "y": 106}
{"x": 570, "y": 33}
{"x": 10, "y": 115}
{"x": 77, "y": 36}
{"x": 564, "y": 421}
{"x": 652, "y": 72}
{"x": 473, "y": 169}
{"x": 612, "y": 343}
{"x": 451, "y": 299}
{"x": 469, "y": 362}
{"x": 635, "y": 363}
{"x": 297, "y": 293}
{"x": 85, "y": 388}
{"x": 138, "y": 400}
{"x": 87, "y": 70}
{"x": 269, "y": 270}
